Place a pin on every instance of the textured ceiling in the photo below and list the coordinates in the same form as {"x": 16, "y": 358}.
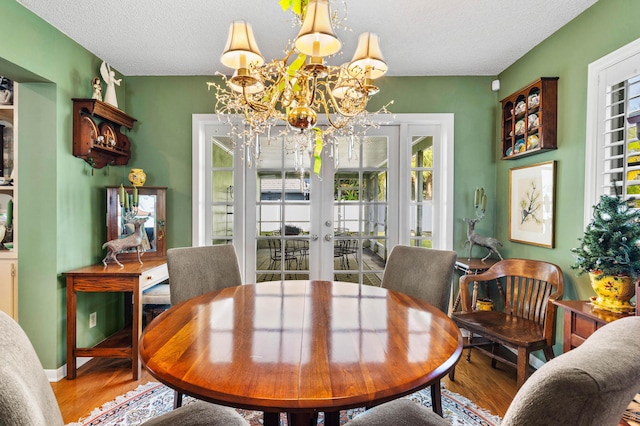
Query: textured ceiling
{"x": 418, "y": 37}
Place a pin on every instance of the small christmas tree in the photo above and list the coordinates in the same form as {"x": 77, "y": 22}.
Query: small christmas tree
{"x": 610, "y": 243}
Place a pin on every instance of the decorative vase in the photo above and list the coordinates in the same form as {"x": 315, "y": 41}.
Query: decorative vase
{"x": 484, "y": 305}
{"x": 613, "y": 292}
{"x": 137, "y": 177}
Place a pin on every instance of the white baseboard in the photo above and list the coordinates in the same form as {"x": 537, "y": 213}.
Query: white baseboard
{"x": 61, "y": 372}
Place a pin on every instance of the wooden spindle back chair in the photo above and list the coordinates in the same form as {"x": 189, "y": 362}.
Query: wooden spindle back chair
{"x": 527, "y": 321}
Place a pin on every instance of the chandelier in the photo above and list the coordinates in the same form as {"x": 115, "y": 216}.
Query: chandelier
{"x": 300, "y": 87}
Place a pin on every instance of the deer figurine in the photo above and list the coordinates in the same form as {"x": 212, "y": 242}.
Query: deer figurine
{"x": 475, "y": 239}
{"x": 134, "y": 240}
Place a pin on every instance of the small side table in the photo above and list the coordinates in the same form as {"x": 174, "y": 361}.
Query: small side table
{"x": 132, "y": 280}
{"x": 474, "y": 266}
{"x": 581, "y": 320}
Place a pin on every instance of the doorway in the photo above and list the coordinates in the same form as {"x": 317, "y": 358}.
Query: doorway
{"x": 289, "y": 221}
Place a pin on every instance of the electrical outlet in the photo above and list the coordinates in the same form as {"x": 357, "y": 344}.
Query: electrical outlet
{"x": 93, "y": 319}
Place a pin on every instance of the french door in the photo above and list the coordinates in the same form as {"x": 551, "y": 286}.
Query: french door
{"x": 332, "y": 216}
{"x": 326, "y": 217}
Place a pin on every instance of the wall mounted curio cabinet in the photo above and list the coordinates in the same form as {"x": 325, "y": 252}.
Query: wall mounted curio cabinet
{"x": 97, "y": 133}
{"x": 529, "y": 119}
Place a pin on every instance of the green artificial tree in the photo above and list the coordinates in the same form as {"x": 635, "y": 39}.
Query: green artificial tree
{"x": 610, "y": 243}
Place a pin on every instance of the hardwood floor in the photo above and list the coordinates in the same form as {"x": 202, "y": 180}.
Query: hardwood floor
{"x": 101, "y": 380}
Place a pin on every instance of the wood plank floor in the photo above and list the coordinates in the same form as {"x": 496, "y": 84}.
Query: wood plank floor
{"x": 101, "y": 380}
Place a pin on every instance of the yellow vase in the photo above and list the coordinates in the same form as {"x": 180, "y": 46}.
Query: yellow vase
{"x": 612, "y": 292}
{"x": 137, "y": 177}
{"x": 484, "y": 305}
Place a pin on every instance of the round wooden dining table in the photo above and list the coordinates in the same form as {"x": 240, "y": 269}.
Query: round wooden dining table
{"x": 300, "y": 347}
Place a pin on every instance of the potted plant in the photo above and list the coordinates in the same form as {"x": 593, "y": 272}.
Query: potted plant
{"x": 610, "y": 253}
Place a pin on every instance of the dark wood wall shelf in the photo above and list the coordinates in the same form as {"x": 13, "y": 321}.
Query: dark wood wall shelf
{"x": 530, "y": 119}
{"x": 97, "y": 133}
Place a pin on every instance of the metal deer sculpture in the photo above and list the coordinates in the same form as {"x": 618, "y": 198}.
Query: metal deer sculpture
{"x": 480, "y": 204}
{"x": 476, "y": 239}
{"x": 135, "y": 240}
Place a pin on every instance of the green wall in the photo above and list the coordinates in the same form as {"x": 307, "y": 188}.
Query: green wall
{"x": 601, "y": 29}
{"x": 62, "y": 205}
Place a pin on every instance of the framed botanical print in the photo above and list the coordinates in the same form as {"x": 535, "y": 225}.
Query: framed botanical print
{"x": 532, "y": 204}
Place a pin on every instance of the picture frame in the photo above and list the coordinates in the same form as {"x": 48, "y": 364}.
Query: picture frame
{"x": 532, "y": 204}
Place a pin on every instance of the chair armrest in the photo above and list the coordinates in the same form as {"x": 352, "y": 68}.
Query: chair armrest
{"x": 465, "y": 291}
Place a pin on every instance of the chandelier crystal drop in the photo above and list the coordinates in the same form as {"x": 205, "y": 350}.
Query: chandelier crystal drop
{"x": 300, "y": 88}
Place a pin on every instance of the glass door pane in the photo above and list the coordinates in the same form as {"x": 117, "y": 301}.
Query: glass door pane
{"x": 221, "y": 190}
{"x": 330, "y": 225}
{"x": 360, "y": 208}
{"x": 283, "y": 214}
{"x": 421, "y": 204}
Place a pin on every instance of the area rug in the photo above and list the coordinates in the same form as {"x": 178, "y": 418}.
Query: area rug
{"x": 153, "y": 399}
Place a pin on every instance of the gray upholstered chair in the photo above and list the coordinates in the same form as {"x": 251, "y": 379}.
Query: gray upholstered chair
{"x": 26, "y": 397}
{"x": 198, "y": 270}
{"x": 590, "y": 385}
{"x": 424, "y": 274}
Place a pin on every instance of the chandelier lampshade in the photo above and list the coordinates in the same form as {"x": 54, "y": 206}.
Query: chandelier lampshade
{"x": 368, "y": 57}
{"x": 316, "y": 37}
{"x": 241, "y": 49}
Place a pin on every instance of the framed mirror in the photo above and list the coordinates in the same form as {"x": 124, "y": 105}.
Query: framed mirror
{"x": 151, "y": 203}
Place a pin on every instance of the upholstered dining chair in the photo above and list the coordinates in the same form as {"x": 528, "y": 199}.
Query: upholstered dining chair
{"x": 26, "y": 397}
{"x": 197, "y": 270}
{"x": 590, "y": 385}
{"x": 421, "y": 272}
{"x": 424, "y": 274}
{"x": 526, "y": 323}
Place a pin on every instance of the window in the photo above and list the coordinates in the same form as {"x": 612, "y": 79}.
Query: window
{"x": 613, "y": 150}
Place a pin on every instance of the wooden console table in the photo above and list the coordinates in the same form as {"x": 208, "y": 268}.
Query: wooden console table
{"x": 131, "y": 280}
{"x": 581, "y": 320}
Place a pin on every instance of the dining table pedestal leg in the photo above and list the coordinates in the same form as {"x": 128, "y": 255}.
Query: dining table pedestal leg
{"x": 332, "y": 418}
{"x": 302, "y": 419}
{"x": 271, "y": 419}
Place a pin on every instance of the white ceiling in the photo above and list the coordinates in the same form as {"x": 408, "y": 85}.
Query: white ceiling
{"x": 418, "y": 37}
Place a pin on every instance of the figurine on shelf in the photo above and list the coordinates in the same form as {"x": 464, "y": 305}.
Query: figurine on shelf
{"x": 135, "y": 240}
{"x": 109, "y": 77}
{"x": 476, "y": 239}
{"x": 492, "y": 244}
{"x": 6, "y": 91}
{"x": 97, "y": 89}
